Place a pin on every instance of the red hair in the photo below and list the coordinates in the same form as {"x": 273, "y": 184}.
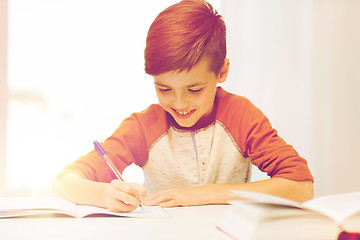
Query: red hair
{"x": 182, "y": 34}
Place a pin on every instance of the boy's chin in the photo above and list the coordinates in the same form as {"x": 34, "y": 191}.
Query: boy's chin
{"x": 185, "y": 124}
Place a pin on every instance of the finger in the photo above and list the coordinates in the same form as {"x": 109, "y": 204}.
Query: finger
{"x": 155, "y": 195}
{"x": 121, "y": 195}
{"x": 116, "y": 205}
{"x": 133, "y": 189}
{"x": 151, "y": 199}
{"x": 139, "y": 191}
{"x": 163, "y": 201}
{"x": 170, "y": 203}
{"x": 157, "y": 198}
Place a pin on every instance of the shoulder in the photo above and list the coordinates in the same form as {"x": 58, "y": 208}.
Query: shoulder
{"x": 137, "y": 133}
{"x": 232, "y": 107}
{"x": 151, "y": 123}
{"x": 241, "y": 118}
{"x": 153, "y": 112}
{"x": 153, "y": 115}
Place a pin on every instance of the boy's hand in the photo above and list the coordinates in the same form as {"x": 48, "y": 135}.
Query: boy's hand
{"x": 186, "y": 196}
{"x": 123, "y": 197}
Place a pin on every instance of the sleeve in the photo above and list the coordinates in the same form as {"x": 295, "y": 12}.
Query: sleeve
{"x": 125, "y": 146}
{"x": 259, "y": 141}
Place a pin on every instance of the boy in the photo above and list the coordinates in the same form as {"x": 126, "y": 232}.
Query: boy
{"x": 198, "y": 143}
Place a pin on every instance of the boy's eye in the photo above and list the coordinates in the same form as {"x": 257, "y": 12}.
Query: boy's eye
{"x": 164, "y": 89}
{"x": 196, "y": 90}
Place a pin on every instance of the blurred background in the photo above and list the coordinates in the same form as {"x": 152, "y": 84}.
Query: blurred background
{"x": 71, "y": 71}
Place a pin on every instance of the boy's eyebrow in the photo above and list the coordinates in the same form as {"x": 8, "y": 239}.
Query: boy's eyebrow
{"x": 160, "y": 85}
{"x": 189, "y": 86}
{"x": 196, "y": 85}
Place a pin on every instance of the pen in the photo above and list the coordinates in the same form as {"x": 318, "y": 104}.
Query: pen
{"x": 104, "y": 157}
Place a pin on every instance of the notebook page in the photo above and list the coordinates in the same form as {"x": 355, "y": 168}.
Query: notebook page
{"x": 146, "y": 211}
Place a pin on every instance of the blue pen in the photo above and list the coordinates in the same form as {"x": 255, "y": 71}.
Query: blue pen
{"x": 104, "y": 157}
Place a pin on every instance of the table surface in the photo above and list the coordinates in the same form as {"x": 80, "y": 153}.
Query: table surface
{"x": 198, "y": 222}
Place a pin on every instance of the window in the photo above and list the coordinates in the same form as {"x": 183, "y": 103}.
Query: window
{"x": 75, "y": 71}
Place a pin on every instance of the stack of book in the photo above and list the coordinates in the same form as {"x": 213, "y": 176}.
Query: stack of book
{"x": 265, "y": 217}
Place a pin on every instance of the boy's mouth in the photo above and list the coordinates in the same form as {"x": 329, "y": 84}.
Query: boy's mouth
{"x": 183, "y": 114}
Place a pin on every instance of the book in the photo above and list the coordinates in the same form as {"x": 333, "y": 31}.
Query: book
{"x": 30, "y": 206}
{"x": 263, "y": 216}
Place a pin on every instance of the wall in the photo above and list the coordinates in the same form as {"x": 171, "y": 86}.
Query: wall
{"x": 3, "y": 91}
{"x": 298, "y": 61}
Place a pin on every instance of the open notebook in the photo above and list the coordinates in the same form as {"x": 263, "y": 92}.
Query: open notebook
{"x": 29, "y": 206}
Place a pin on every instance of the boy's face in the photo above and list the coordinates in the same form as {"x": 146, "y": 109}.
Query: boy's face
{"x": 188, "y": 95}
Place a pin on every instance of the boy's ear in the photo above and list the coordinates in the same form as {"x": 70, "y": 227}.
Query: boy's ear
{"x": 224, "y": 71}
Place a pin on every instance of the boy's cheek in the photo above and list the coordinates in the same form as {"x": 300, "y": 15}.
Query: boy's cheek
{"x": 164, "y": 106}
{"x": 162, "y": 100}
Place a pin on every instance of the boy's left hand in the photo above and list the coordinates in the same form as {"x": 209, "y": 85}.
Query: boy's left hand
{"x": 186, "y": 196}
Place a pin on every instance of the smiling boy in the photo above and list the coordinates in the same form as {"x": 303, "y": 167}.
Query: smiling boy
{"x": 189, "y": 96}
{"x": 199, "y": 142}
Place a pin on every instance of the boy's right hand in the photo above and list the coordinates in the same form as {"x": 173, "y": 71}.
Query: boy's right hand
{"x": 123, "y": 197}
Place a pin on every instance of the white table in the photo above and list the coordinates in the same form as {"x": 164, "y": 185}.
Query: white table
{"x": 184, "y": 223}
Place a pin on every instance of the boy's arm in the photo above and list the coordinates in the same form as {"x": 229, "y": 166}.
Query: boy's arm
{"x": 79, "y": 190}
{"x": 90, "y": 181}
{"x": 116, "y": 196}
{"x": 222, "y": 193}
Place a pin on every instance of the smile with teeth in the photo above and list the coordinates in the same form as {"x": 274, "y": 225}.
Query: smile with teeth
{"x": 183, "y": 113}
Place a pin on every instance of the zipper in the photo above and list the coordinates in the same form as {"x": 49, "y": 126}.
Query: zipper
{"x": 196, "y": 153}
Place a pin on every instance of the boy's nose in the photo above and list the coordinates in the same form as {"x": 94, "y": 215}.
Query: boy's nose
{"x": 180, "y": 101}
